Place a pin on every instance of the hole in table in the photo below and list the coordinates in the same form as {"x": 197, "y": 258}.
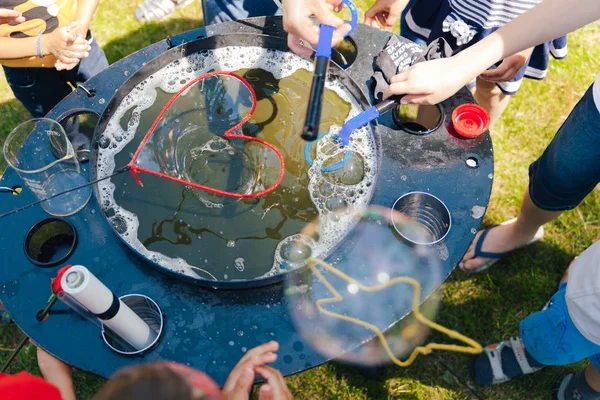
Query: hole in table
{"x": 472, "y": 162}
{"x": 428, "y": 212}
{"x": 80, "y": 127}
{"x": 50, "y": 242}
{"x": 418, "y": 119}
{"x": 344, "y": 53}
{"x": 147, "y": 310}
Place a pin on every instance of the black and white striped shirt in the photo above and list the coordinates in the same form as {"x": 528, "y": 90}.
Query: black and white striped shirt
{"x": 491, "y": 13}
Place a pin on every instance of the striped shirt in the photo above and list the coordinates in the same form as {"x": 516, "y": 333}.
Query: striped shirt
{"x": 491, "y": 13}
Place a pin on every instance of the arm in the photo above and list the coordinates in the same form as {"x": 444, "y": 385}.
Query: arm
{"x": 57, "y": 43}
{"x": 11, "y": 48}
{"x": 548, "y": 20}
{"x": 509, "y": 67}
{"x": 78, "y": 29}
{"x": 57, "y": 373}
{"x": 85, "y": 12}
{"x": 435, "y": 81}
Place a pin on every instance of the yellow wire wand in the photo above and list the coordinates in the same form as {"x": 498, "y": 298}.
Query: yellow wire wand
{"x": 472, "y": 346}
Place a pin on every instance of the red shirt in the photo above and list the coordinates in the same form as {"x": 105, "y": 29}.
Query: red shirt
{"x": 24, "y": 386}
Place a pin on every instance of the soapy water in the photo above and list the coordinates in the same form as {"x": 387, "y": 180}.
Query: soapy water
{"x": 349, "y": 186}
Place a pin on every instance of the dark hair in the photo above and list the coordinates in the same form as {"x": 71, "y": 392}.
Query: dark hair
{"x": 147, "y": 382}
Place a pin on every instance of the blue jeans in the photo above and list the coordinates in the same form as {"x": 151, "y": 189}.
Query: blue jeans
{"x": 216, "y": 11}
{"x": 569, "y": 168}
{"x": 551, "y": 338}
{"x": 40, "y": 89}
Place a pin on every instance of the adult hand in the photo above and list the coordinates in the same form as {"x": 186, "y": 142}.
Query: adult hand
{"x": 8, "y": 16}
{"x": 429, "y": 82}
{"x": 240, "y": 380}
{"x": 385, "y": 13}
{"x": 275, "y": 388}
{"x": 298, "y": 25}
{"x": 509, "y": 67}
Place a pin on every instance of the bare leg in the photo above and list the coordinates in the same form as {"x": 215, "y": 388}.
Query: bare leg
{"x": 592, "y": 377}
{"x": 490, "y": 97}
{"x": 509, "y": 237}
{"x": 57, "y": 373}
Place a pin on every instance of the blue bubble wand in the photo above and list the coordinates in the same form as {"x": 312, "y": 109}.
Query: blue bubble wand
{"x": 310, "y": 132}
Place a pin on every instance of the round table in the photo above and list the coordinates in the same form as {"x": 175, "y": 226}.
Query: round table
{"x": 205, "y": 328}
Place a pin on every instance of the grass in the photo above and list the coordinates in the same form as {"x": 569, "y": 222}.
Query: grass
{"x": 486, "y": 307}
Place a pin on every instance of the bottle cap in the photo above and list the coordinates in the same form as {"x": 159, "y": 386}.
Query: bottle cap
{"x": 470, "y": 120}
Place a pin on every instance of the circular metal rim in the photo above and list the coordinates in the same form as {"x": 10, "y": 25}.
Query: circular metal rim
{"x": 234, "y": 39}
{"x": 402, "y": 126}
{"x": 154, "y": 342}
{"x": 430, "y": 195}
{"x": 32, "y": 231}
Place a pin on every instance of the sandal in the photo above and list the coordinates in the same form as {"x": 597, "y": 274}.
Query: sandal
{"x": 564, "y": 382}
{"x": 156, "y": 10}
{"x": 494, "y": 257}
{"x": 493, "y": 356}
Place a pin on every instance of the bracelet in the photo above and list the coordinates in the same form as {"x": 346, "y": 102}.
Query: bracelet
{"x": 38, "y": 43}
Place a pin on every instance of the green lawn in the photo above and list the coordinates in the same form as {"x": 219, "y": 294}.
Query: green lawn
{"x": 486, "y": 307}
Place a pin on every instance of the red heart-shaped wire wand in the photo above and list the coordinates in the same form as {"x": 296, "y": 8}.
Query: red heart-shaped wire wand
{"x": 135, "y": 169}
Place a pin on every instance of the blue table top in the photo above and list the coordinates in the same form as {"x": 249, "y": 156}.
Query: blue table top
{"x": 205, "y": 328}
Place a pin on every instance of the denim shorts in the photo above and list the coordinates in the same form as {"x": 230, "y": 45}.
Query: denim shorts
{"x": 551, "y": 337}
{"x": 569, "y": 168}
{"x": 216, "y": 11}
{"x": 41, "y": 89}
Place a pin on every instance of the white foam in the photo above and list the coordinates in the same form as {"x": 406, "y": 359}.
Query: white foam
{"x": 281, "y": 64}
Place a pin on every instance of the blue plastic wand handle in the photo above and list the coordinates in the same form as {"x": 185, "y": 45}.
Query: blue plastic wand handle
{"x": 310, "y": 130}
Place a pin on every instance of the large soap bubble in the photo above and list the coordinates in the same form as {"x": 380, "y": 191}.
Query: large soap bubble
{"x": 354, "y": 303}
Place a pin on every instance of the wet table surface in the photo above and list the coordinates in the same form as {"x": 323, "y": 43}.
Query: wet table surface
{"x": 211, "y": 329}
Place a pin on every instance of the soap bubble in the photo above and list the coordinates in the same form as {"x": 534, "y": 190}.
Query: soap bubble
{"x": 340, "y": 300}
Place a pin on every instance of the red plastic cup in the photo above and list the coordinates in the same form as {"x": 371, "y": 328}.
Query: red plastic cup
{"x": 470, "y": 120}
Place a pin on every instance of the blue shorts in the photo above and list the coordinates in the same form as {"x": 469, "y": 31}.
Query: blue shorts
{"x": 552, "y": 339}
{"x": 216, "y": 11}
{"x": 569, "y": 168}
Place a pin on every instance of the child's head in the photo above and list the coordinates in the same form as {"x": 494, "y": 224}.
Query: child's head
{"x": 162, "y": 381}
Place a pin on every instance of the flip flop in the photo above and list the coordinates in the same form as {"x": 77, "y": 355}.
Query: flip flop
{"x": 495, "y": 257}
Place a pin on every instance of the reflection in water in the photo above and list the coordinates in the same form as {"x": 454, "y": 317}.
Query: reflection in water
{"x": 217, "y": 231}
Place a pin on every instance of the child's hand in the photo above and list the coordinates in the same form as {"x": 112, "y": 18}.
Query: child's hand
{"x": 385, "y": 13}
{"x": 298, "y": 26}
{"x": 77, "y": 38}
{"x": 509, "y": 67}
{"x": 62, "y": 66}
{"x": 8, "y": 16}
{"x": 240, "y": 380}
{"x": 275, "y": 388}
{"x": 429, "y": 82}
{"x": 65, "y": 45}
